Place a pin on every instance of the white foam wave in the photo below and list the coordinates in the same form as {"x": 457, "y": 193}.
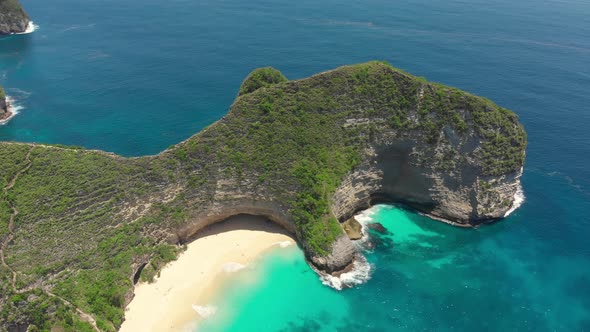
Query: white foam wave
{"x": 205, "y": 311}
{"x": 283, "y": 244}
{"x": 518, "y": 200}
{"x": 13, "y": 108}
{"x": 364, "y": 218}
{"x": 360, "y": 273}
{"x": 361, "y": 269}
{"x": 31, "y": 27}
{"x": 232, "y": 267}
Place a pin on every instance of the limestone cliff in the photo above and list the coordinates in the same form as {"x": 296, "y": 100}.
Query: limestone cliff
{"x": 307, "y": 154}
{"x": 13, "y": 18}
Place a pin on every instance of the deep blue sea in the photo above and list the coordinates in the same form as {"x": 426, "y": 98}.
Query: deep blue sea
{"x": 134, "y": 77}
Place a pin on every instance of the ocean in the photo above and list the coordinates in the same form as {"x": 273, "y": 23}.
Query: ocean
{"x": 135, "y": 77}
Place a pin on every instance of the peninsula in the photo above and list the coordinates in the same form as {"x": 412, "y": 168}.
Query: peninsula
{"x": 13, "y": 18}
{"x": 78, "y": 228}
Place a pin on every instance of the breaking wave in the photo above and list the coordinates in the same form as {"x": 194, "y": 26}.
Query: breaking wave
{"x": 518, "y": 200}
{"x": 205, "y": 311}
{"x": 13, "y": 108}
{"x": 232, "y": 267}
{"x": 359, "y": 274}
{"x": 364, "y": 218}
{"x": 31, "y": 27}
{"x": 283, "y": 244}
{"x": 361, "y": 268}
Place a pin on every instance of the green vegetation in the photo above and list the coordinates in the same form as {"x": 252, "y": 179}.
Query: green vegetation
{"x": 7, "y": 6}
{"x": 86, "y": 217}
{"x": 2, "y": 94}
{"x": 13, "y": 18}
{"x": 261, "y": 77}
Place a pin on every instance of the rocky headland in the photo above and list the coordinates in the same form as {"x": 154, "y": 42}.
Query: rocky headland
{"x": 13, "y": 18}
{"x": 4, "y": 111}
{"x": 79, "y": 227}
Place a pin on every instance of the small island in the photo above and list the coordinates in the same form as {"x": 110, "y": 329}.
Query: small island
{"x": 78, "y": 228}
{"x": 13, "y": 18}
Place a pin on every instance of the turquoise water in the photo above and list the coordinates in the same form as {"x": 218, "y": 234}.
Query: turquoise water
{"x": 279, "y": 292}
{"x": 426, "y": 276}
{"x": 135, "y": 77}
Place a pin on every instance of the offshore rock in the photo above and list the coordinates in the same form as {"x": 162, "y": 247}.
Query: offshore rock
{"x": 378, "y": 227}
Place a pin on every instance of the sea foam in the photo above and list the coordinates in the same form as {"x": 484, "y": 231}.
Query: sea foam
{"x": 364, "y": 218}
{"x": 283, "y": 244}
{"x": 31, "y": 27}
{"x": 205, "y": 311}
{"x": 232, "y": 267}
{"x": 518, "y": 200}
{"x": 360, "y": 273}
{"x": 13, "y": 108}
{"x": 361, "y": 269}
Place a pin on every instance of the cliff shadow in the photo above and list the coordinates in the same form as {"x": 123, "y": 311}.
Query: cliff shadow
{"x": 241, "y": 221}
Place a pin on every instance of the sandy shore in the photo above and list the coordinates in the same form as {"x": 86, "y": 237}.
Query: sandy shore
{"x": 167, "y": 303}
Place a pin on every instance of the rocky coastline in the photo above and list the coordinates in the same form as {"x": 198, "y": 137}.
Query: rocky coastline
{"x": 5, "y": 113}
{"x": 13, "y": 18}
{"x": 305, "y": 154}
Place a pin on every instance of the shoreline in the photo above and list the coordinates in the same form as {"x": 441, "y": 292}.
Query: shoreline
{"x": 179, "y": 296}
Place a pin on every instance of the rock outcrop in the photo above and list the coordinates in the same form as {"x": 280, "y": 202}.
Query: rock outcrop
{"x": 4, "y": 112}
{"x": 353, "y": 229}
{"x": 307, "y": 154}
{"x": 13, "y": 18}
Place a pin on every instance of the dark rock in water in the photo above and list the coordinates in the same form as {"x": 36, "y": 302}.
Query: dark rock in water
{"x": 4, "y": 113}
{"x": 378, "y": 227}
{"x": 353, "y": 229}
{"x": 13, "y": 18}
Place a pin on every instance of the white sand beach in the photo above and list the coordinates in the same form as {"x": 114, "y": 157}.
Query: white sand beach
{"x": 167, "y": 303}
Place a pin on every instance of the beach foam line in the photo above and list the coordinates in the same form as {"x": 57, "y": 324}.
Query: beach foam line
{"x": 205, "y": 311}
{"x": 31, "y": 27}
{"x": 185, "y": 289}
{"x": 283, "y": 244}
{"x": 232, "y": 267}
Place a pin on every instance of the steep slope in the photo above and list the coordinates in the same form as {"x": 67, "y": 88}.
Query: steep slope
{"x": 13, "y": 18}
{"x": 78, "y": 227}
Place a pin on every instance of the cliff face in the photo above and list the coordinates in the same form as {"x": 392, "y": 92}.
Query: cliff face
{"x": 3, "y": 105}
{"x": 307, "y": 154}
{"x": 13, "y": 18}
{"x": 443, "y": 179}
